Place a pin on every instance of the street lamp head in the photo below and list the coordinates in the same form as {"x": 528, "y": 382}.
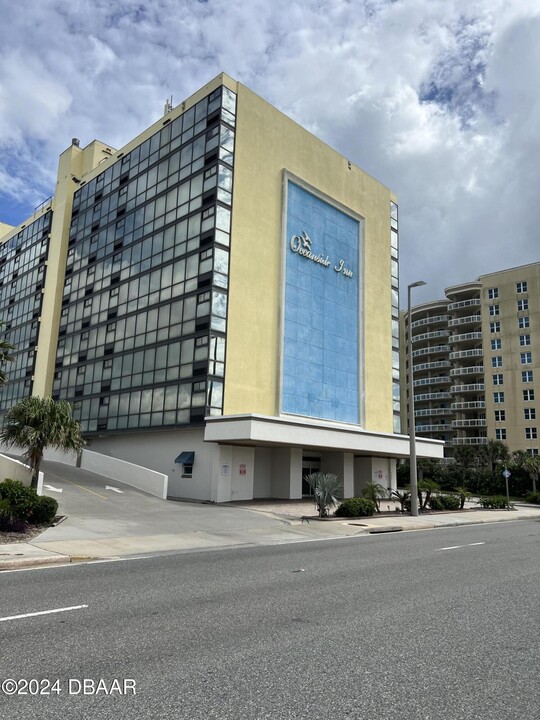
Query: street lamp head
{"x": 418, "y": 283}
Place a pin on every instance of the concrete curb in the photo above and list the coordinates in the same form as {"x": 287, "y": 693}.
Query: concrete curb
{"x": 26, "y": 562}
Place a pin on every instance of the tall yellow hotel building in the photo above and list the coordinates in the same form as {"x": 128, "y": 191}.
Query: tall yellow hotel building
{"x": 219, "y": 301}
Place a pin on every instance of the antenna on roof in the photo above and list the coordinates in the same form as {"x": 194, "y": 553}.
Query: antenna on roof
{"x": 168, "y": 106}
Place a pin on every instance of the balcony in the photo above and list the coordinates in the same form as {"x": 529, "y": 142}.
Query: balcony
{"x": 469, "y": 320}
{"x": 475, "y": 387}
{"x": 426, "y": 397}
{"x": 471, "y": 370}
{"x": 432, "y": 365}
{"x": 435, "y": 350}
{"x": 465, "y": 337}
{"x": 442, "y": 380}
{"x": 471, "y": 405}
{"x": 476, "y": 422}
{"x": 473, "y": 302}
{"x": 462, "y": 354}
{"x": 435, "y": 320}
{"x": 430, "y": 335}
{"x": 470, "y": 441}
{"x": 432, "y": 428}
{"x": 430, "y": 412}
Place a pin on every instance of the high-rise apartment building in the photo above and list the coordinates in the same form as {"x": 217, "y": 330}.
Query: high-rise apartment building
{"x": 476, "y": 361}
{"x": 219, "y": 301}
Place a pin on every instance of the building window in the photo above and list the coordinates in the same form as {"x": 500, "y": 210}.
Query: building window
{"x": 527, "y": 376}
{"x": 524, "y": 340}
{"x": 495, "y": 327}
{"x": 493, "y": 309}
{"x": 522, "y": 305}
{"x": 523, "y": 322}
{"x": 521, "y": 287}
{"x": 530, "y": 413}
{"x": 533, "y": 451}
{"x": 493, "y": 293}
{"x": 530, "y": 433}
{"x": 500, "y": 434}
{"x": 526, "y": 358}
{"x": 496, "y": 361}
{"x": 187, "y": 470}
{"x": 498, "y": 379}
{"x": 500, "y": 415}
{"x": 498, "y": 397}
{"x": 496, "y": 344}
{"x": 528, "y": 395}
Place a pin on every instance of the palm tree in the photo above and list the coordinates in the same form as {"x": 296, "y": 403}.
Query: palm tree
{"x": 5, "y": 357}
{"x": 494, "y": 453}
{"x": 326, "y": 487}
{"x": 375, "y": 492}
{"x": 37, "y": 423}
{"x": 531, "y": 465}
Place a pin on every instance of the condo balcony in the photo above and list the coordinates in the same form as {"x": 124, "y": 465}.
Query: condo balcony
{"x": 476, "y": 422}
{"x": 445, "y": 364}
{"x": 430, "y": 336}
{"x": 471, "y": 370}
{"x": 474, "y": 387}
{"x": 464, "y": 304}
{"x": 469, "y": 441}
{"x": 465, "y": 337}
{"x": 434, "y": 350}
{"x": 462, "y": 354}
{"x": 443, "y": 427}
{"x": 432, "y": 412}
{"x": 426, "y": 397}
{"x": 468, "y": 320}
{"x": 471, "y": 405}
{"x": 435, "y": 320}
{"x": 441, "y": 380}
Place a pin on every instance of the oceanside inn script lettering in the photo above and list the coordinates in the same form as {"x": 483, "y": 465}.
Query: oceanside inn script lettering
{"x": 301, "y": 244}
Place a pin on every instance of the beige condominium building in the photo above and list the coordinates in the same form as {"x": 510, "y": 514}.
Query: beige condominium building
{"x": 476, "y": 362}
{"x": 219, "y": 301}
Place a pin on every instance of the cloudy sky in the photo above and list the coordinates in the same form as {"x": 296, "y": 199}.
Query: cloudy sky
{"x": 438, "y": 99}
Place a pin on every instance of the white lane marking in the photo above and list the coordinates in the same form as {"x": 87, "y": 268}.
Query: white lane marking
{"x": 54, "y": 489}
{"x": 455, "y": 547}
{"x": 43, "y": 612}
{"x": 110, "y": 487}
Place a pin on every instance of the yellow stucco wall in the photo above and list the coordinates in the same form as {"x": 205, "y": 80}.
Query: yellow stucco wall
{"x": 267, "y": 143}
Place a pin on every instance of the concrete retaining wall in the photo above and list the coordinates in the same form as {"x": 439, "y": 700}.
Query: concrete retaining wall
{"x": 142, "y": 478}
{"x": 16, "y": 470}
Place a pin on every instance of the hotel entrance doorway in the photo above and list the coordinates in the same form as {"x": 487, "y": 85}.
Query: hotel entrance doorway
{"x": 310, "y": 464}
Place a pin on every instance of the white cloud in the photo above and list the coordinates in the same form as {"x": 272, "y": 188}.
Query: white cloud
{"x": 436, "y": 98}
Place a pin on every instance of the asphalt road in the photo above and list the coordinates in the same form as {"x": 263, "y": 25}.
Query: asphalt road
{"x": 422, "y": 625}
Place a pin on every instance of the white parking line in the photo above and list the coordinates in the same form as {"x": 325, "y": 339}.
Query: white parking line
{"x": 455, "y": 547}
{"x": 43, "y": 612}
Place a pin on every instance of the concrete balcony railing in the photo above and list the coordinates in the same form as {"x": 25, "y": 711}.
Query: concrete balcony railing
{"x": 476, "y": 422}
{"x": 426, "y": 397}
{"x": 468, "y": 320}
{"x": 432, "y": 365}
{"x": 442, "y": 380}
{"x": 471, "y": 405}
{"x": 435, "y": 320}
{"x": 434, "y": 350}
{"x": 471, "y": 370}
{"x": 432, "y": 428}
{"x": 465, "y": 337}
{"x": 472, "y": 302}
{"x": 432, "y": 412}
{"x": 429, "y": 335}
{"x": 475, "y": 387}
{"x": 462, "y": 354}
{"x": 470, "y": 441}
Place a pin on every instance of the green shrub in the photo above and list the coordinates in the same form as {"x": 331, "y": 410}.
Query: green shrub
{"x": 44, "y": 511}
{"x": 444, "y": 502}
{"x": 533, "y": 497}
{"x": 22, "y": 499}
{"x": 356, "y": 507}
{"x": 493, "y": 502}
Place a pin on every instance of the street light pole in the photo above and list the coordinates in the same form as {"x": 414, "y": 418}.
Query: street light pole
{"x": 412, "y": 438}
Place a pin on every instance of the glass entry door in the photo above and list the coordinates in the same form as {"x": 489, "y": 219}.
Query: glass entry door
{"x": 309, "y": 465}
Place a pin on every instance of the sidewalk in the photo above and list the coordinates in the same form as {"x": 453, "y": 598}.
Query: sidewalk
{"x": 265, "y": 523}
